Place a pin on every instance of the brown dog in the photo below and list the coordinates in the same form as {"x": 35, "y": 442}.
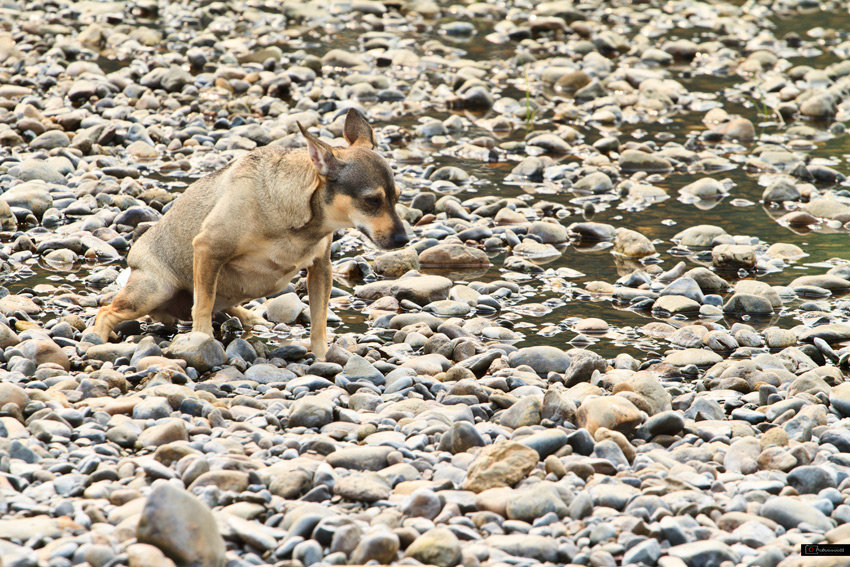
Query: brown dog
{"x": 246, "y": 230}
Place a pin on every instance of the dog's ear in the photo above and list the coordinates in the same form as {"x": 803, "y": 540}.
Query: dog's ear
{"x": 357, "y": 131}
{"x": 320, "y": 153}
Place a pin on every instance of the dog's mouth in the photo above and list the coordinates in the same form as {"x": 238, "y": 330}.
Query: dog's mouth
{"x": 389, "y": 242}
{"x": 365, "y": 232}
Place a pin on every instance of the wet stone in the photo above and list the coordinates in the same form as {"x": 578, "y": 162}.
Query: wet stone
{"x": 695, "y": 356}
{"x": 632, "y": 244}
{"x": 636, "y": 160}
{"x": 733, "y": 256}
{"x": 700, "y": 236}
{"x": 745, "y": 303}
{"x": 396, "y": 263}
{"x": 285, "y": 308}
{"x": 675, "y": 304}
{"x": 542, "y": 359}
{"x": 419, "y": 289}
{"x": 453, "y": 256}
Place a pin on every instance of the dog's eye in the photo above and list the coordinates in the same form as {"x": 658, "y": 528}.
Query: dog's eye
{"x": 373, "y": 202}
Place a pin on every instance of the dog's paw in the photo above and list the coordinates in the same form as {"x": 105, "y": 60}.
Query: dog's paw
{"x": 248, "y": 318}
{"x": 254, "y": 320}
{"x": 320, "y": 350}
{"x": 206, "y": 329}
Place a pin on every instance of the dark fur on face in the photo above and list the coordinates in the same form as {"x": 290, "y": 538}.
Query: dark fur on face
{"x": 366, "y": 178}
{"x": 359, "y": 184}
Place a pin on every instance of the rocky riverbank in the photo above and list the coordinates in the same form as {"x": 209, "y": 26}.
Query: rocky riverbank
{"x": 552, "y": 373}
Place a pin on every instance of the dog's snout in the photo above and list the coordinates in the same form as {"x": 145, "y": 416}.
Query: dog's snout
{"x": 399, "y": 239}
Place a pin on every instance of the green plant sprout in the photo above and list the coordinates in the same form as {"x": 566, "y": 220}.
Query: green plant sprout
{"x": 759, "y": 101}
{"x": 530, "y": 112}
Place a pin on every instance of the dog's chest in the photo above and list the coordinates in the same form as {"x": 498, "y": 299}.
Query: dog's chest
{"x": 268, "y": 266}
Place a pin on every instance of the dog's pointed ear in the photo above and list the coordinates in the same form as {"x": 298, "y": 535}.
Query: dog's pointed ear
{"x": 321, "y": 154}
{"x": 357, "y": 131}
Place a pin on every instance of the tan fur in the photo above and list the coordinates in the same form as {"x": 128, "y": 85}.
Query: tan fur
{"x": 340, "y": 209}
{"x": 382, "y": 225}
{"x": 243, "y": 233}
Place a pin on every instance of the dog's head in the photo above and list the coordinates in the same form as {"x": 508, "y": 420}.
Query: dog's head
{"x": 358, "y": 187}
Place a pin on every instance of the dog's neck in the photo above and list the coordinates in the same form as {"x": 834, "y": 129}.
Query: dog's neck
{"x": 324, "y": 218}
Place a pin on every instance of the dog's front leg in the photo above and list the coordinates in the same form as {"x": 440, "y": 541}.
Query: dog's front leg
{"x": 319, "y": 281}
{"x": 206, "y": 265}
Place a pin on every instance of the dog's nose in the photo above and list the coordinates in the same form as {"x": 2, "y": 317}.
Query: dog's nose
{"x": 400, "y": 239}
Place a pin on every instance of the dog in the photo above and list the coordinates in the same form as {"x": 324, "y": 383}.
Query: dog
{"x": 244, "y": 231}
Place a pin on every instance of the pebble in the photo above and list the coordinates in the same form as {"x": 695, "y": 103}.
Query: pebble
{"x": 632, "y": 244}
{"x": 543, "y": 359}
{"x": 502, "y": 464}
{"x": 199, "y": 350}
{"x": 535, "y": 502}
{"x": 286, "y": 308}
{"x": 523, "y": 412}
{"x": 360, "y": 458}
{"x": 637, "y": 160}
{"x": 461, "y": 437}
{"x": 612, "y": 412}
{"x": 381, "y": 546}
{"x": 790, "y": 512}
{"x": 362, "y": 487}
{"x": 704, "y": 553}
{"x": 535, "y": 547}
{"x": 418, "y": 289}
{"x": 181, "y": 526}
{"x": 453, "y": 256}
{"x": 144, "y": 555}
{"x": 437, "y": 546}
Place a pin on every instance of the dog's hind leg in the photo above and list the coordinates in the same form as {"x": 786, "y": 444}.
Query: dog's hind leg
{"x": 246, "y": 317}
{"x": 142, "y": 294}
{"x": 319, "y": 282}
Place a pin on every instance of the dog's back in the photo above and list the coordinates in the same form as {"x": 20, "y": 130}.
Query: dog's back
{"x": 169, "y": 241}
{"x": 267, "y": 175}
